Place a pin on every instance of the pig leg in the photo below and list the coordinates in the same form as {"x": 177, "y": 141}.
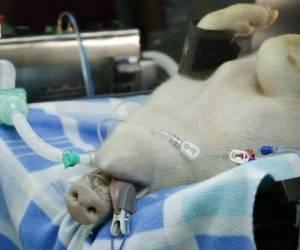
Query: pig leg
{"x": 242, "y": 19}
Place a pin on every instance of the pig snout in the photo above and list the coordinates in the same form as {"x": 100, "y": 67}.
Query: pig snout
{"x": 86, "y": 204}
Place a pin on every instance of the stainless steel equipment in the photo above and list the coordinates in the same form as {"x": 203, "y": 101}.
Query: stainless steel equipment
{"x": 49, "y": 66}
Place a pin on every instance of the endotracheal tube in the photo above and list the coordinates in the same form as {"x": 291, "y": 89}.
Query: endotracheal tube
{"x": 13, "y": 112}
{"x": 40, "y": 147}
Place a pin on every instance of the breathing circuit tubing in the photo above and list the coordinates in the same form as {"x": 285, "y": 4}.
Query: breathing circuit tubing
{"x": 42, "y": 148}
{"x": 163, "y": 60}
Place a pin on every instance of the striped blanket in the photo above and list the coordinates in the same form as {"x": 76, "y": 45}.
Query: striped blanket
{"x": 214, "y": 214}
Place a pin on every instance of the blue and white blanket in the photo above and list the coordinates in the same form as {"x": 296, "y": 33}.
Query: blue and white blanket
{"x": 214, "y": 214}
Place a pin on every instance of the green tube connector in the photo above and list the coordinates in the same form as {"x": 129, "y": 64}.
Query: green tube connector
{"x": 70, "y": 158}
{"x": 12, "y": 100}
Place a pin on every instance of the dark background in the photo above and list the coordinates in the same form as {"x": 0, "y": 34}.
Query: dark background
{"x": 162, "y": 22}
{"x": 37, "y": 14}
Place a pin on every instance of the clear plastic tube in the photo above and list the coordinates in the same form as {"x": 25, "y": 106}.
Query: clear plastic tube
{"x": 107, "y": 126}
{"x": 163, "y": 60}
{"x": 267, "y": 150}
{"x": 88, "y": 158}
{"x": 7, "y": 75}
{"x": 85, "y": 65}
{"x": 285, "y": 149}
{"x": 38, "y": 145}
{"x": 190, "y": 150}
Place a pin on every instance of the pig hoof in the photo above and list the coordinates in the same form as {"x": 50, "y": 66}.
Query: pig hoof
{"x": 256, "y": 18}
{"x": 242, "y": 19}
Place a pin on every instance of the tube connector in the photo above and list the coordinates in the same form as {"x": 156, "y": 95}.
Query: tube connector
{"x": 266, "y": 150}
{"x": 70, "y": 158}
{"x": 12, "y": 100}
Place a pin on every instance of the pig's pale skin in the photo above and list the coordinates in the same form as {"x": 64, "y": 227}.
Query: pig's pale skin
{"x": 246, "y": 103}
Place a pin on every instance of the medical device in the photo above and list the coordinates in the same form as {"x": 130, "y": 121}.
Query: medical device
{"x": 186, "y": 148}
{"x": 267, "y": 150}
{"x": 123, "y": 198}
{"x": 69, "y": 65}
{"x": 85, "y": 64}
{"x": 14, "y": 112}
{"x": 49, "y": 66}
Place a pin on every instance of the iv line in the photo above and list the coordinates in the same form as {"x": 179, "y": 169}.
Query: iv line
{"x": 186, "y": 148}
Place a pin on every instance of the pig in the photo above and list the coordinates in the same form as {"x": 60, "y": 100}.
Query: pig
{"x": 245, "y": 103}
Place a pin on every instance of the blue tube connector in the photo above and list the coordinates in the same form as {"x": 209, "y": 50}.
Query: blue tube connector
{"x": 267, "y": 150}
